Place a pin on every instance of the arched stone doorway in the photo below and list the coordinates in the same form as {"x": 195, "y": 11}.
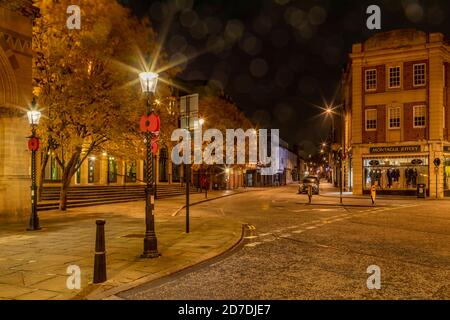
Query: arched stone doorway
{"x": 15, "y": 95}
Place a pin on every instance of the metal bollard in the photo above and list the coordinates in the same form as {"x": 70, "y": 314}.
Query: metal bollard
{"x": 100, "y": 253}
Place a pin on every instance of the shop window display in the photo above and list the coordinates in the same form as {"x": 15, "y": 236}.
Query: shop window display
{"x": 395, "y": 173}
{"x": 447, "y": 174}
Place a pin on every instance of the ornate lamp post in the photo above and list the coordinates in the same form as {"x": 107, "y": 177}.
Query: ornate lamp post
{"x": 329, "y": 111}
{"x": 150, "y": 126}
{"x": 33, "y": 145}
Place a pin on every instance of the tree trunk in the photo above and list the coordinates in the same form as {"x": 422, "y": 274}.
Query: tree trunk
{"x": 63, "y": 198}
{"x": 68, "y": 173}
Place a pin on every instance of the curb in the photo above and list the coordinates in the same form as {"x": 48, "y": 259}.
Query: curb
{"x": 112, "y": 293}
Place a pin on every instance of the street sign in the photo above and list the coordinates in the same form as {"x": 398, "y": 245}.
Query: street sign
{"x": 437, "y": 162}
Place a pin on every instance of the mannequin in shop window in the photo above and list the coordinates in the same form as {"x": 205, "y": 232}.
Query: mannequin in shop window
{"x": 393, "y": 175}
{"x": 411, "y": 177}
{"x": 375, "y": 176}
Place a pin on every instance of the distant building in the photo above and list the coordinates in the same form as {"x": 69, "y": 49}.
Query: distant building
{"x": 396, "y": 109}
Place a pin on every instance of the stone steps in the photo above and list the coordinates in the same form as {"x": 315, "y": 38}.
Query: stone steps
{"x": 82, "y": 196}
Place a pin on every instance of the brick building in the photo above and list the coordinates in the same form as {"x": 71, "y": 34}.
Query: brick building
{"x": 396, "y": 113}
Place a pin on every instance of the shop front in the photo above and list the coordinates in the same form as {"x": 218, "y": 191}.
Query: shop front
{"x": 394, "y": 171}
{"x": 446, "y": 170}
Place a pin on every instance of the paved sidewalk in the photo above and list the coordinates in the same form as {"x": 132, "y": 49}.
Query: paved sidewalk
{"x": 33, "y": 265}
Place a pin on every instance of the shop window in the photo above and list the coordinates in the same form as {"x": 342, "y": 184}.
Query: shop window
{"x": 163, "y": 165}
{"x": 371, "y": 79}
{"x": 395, "y": 173}
{"x": 419, "y": 116}
{"x": 447, "y": 174}
{"x": 394, "y": 77}
{"x": 130, "y": 171}
{"x": 394, "y": 117}
{"x": 53, "y": 171}
{"x": 112, "y": 170}
{"x": 371, "y": 119}
{"x": 420, "y": 74}
{"x": 176, "y": 173}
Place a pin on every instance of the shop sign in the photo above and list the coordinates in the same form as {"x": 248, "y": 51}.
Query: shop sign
{"x": 395, "y": 149}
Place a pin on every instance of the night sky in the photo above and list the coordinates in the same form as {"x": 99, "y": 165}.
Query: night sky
{"x": 279, "y": 59}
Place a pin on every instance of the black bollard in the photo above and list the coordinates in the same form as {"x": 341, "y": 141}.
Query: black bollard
{"x": 100, "y": 253}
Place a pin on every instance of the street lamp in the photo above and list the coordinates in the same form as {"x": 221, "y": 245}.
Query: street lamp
{"x": 149, "y": 81}
{"x": 329, "y": 111}
{"x": 33, "y": 145}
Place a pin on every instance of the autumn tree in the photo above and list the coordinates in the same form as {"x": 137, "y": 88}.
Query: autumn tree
{"x": 88, "y": 93}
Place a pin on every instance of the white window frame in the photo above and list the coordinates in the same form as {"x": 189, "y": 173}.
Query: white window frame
{"x": 425, "y": 116}
{"x": 399, "y": 77}
{"x": 424, "y": 74}
{"x": 399, "y": 118}
{"x": 366, "y": 118}
{"x": 366, "y": 82}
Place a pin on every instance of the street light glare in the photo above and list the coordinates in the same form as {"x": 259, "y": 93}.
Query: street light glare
{"x": 149, "y": 80}
{"x": 33, "y": 117}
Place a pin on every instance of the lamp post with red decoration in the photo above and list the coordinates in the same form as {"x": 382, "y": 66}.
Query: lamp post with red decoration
{"x": 149, "y": 125}
{"x": 33, "y": 145}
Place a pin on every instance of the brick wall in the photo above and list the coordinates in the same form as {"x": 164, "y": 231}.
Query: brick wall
{"x": 379, "y": 135}
{"x": 411, "y": 133}
{"x": 408, "y": 74}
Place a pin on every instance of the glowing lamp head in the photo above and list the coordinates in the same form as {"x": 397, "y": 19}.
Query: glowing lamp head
{"x": 329, "y": 110}
{"x": 201, "y": 121}
{"x": 227, "y": 170}
{"x": 33, "y": 117}
{"x": 149, "y": 80}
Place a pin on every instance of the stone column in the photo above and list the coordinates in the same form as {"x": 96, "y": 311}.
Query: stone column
{"x": 103, "y": 170}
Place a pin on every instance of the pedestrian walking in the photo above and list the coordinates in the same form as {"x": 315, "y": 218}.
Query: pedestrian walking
{"x": 310, "y": 193}
{"x": 373, "y": 193}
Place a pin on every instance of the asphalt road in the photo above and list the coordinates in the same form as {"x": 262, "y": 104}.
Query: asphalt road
{"x": 322, "y": 251}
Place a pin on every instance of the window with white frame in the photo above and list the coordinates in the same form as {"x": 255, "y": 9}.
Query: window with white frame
{"x": 371, "y": 119}
{"x": 420, "y": 73}
{"x": 394, "y": 77}
{"x": 419, "y": 116}
{"x": 394, "y": 117}
{"x": 371, "y": 79}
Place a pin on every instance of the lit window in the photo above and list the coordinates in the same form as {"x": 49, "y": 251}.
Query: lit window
{"x": 371, "y": 119}
{"x": 419, "y": 116}
{"x": 394, "y": 77}
{"x": 371, "y": 79}
{"x": 394, "y": 117}
{"x": 420, "y": 74}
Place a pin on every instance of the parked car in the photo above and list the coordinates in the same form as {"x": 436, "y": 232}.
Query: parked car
{"x": 309, "y": 181}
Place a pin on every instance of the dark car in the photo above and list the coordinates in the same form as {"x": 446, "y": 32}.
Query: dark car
{"x": 309, "y": 181}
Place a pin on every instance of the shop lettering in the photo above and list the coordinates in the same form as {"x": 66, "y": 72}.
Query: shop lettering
{"x": 395, "y": 149}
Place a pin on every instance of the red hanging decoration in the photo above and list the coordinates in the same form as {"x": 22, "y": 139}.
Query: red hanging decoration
{"x": 33, "y": 144}
{"x": 150, "y": 123}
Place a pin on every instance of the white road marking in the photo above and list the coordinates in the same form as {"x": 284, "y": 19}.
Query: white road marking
{"x": 254, "y": 244}
{"x": 298, "y": 231}
{"x": 250, "y": 237}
